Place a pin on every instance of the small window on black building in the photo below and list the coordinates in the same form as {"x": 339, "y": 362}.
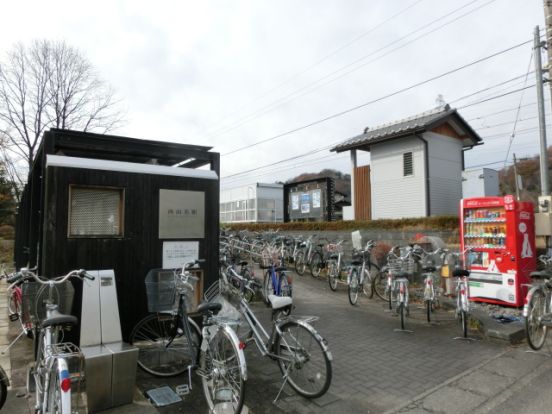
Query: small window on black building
{"x": 408, "y": 168}
{"x": 95, "y": 211}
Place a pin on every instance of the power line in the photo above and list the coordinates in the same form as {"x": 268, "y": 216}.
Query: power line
{"x": 312, "y": 86}
{"x": 397, "y": 92}
{"x": 321, "y": 60}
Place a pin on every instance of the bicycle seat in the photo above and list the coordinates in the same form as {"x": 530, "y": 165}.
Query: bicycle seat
{"x": 206, "y": 307}
{"x": 429, "y": 269}
{"x": 58, "y": 319}
{"x": 403, "y": 275}
{"x": 356, "y": 263}
{"x": 334, "y": 256}
{"x": 542, "y": 274}
{"x": 243, "y": 263}
{"x": 279, "y": 302}
{"x": 460, "y": 272}
{"x": 280, "y": 269}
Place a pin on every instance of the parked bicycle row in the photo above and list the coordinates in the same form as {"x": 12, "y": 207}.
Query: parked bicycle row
{"x": 360, "y": 270}
{"x": 170, "y": 342}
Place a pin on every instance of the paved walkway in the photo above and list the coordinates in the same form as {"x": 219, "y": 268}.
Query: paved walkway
{"x": 375, "y": 369}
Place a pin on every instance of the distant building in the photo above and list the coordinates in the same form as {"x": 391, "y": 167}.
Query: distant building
{"x": 310, "y": 200}
{"x": 415, "y": 166}
{"x": 253, "y": 203}
{"x": 481, "y": 182}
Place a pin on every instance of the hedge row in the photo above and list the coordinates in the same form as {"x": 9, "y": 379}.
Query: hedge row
{"x": 439, "y": 223}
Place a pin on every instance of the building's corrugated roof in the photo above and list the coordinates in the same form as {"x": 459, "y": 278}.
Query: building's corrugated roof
{"x": 415, "y": 124}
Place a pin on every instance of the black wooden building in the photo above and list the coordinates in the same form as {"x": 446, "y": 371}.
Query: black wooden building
{"x": 109, "y": 202}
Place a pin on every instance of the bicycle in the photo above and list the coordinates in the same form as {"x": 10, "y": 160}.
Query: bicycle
{"x": 15, "y": 299}
{"x": 361, "y": 272}
{"x": 537, "y": 310}
{"x": 53, "y": 380}
{"x": 276, "y": 280}
{"x": 399, "y": 269}
{"x": 428, "y": 272}
{"x": 334, "y": 264}
{"x": 169, "y": 341}
{"x": 461, "y": 275}
{"x": 301, "y": 353}
{"x": 303, "y": 256}
{"x": 317, "y": 260}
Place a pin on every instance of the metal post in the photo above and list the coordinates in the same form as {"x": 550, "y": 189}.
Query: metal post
{"x": 516, "y": 178}
{"x": 542, "y": 121}
{"x": 353, "y": 171}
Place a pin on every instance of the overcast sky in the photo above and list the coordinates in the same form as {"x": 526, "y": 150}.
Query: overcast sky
{"x": 228, "y": 74}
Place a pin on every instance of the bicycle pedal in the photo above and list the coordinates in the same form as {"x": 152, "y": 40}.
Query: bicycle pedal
{"x": 13, "y": 317}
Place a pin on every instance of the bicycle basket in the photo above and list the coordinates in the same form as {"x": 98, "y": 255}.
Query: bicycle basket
{"x": 34, "y": 298}
{"x": 334, "y": 248}
{"x": 399, "y": 265}
{"x": 270, "y": 256}
{"x": 161, "y": 290}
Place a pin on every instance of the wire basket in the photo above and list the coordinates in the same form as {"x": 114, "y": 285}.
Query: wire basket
{"x": 163, "y": 290}
{"x": 398, "y": 264}
{"x": 270, "y": 256}
{"x": 334, "y": 248}
{"x": 35, "y": 296}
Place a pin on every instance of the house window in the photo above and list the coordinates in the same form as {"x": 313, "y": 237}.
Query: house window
{"x": 95, "y": 212}
{"x": 408, "y": 168}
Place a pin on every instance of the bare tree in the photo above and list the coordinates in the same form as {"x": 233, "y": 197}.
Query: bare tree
{"x": 50, "y": 85}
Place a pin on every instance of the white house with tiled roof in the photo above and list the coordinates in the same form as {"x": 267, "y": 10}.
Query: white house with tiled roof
{"x": 415, "y": 167}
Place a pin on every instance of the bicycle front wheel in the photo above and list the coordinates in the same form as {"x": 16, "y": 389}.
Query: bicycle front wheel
{"x": 303, "y": 358}
{"x": 223, "y": 383}
{"x": 300, "y": 264}
{"x": 316, "y": 264}
{"x": 534, "y": 329}
{"x": 354, "y": 287}
{"x": 163, "y": 349}
{"x": 333, "y": 274}
{"x": 268, "y": 287}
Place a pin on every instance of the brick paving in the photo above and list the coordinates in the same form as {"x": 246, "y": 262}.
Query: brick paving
{"x": 375, "y": 369}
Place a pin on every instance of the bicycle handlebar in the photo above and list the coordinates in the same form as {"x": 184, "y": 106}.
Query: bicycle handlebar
{"x": 80, "y": 273}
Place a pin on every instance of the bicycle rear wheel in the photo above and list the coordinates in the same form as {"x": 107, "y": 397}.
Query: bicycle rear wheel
{"x": 163, "y": 349}
{"x": 223, "y": 383}
{"x": 354, "y": 287}
{"x": 534, "y": 330}
{"x": 303, "y": 359}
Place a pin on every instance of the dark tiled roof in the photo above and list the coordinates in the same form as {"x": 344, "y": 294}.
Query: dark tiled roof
{"x": 415, "y": 124}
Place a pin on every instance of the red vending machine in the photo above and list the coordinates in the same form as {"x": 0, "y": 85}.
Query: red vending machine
{"x": 501, "y": 233}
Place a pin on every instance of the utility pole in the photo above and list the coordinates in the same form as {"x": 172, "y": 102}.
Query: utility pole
{"x": 548, "y": 34}
{"x": 542, "y": 122}
{"x": 516, "y": 180}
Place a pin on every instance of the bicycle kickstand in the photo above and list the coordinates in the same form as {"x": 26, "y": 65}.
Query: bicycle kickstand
{"x": 12, "y": 342}
{"x": 286, "y": 376}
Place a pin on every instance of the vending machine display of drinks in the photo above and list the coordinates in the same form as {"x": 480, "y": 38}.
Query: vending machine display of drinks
{"x": 500, "y": 233}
